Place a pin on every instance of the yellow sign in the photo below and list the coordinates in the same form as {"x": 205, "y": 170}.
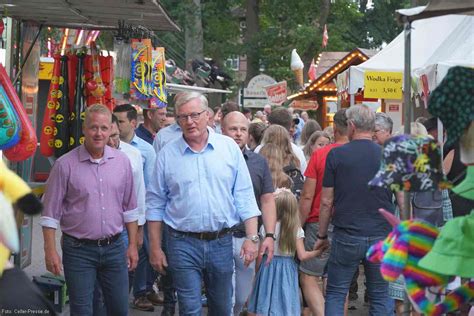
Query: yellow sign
{"x": 383, "y": 85}
{"x": 45, "y": 71}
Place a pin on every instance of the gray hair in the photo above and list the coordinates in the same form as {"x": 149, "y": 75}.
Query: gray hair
{"x": 184, "y": 97}
{"x": 97, "y": 108}
{"x": 383, "y": 121}
{"x": 362, "y": 117}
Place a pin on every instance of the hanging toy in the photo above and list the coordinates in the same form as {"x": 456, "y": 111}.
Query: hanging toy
{"x": 95, "y": 86}
{"x": 26, "y": 147}
{"x": 159, "y": 95}
{"x": 47, "y": 130}
{"x": 77, "y": 115}
{"x": 9, "y": 123}
{"x": 400, "y": 253}
{"x": 107, "y": 73}
{"x": 141, "y": 79}
{"x": 61, "y": 131}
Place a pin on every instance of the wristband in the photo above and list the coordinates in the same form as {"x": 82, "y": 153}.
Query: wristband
{"x": 270, "y": 235}
{"x": 322, "y": 237}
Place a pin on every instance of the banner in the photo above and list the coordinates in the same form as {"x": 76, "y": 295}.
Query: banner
{"x": 383, "y": 85}
{"x": 304, "y": 105}
{"x": 276, "y": 93}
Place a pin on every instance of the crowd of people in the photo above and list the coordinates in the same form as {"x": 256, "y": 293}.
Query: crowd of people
{"x": 247, "y": 211}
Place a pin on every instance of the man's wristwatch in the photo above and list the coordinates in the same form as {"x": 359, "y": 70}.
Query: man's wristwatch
{"x": 255, "y": 239}
{"x": 271, "y": 235}
{"x": 322, "y": 237}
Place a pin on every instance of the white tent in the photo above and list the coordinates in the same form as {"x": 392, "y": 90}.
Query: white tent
{"x": 445, "y": 40}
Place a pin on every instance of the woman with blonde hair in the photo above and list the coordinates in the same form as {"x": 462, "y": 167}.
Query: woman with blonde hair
{"x": 278, "y": 135}
{"x": 274, "y": 156}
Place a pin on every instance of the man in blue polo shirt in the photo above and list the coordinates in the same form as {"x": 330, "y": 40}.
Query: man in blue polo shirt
{"x": 153, "y": 121}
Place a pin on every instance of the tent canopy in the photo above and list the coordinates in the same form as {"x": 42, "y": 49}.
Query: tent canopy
{"x": 446, "y": 39}
{"x": 90, "y": 14}
{"x": 437, "y": 8}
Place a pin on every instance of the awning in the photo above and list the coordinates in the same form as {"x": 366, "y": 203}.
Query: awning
{"x": 437, "y": 8}
{"x": 175, "y": 88}
{"x": 90, "y": 14}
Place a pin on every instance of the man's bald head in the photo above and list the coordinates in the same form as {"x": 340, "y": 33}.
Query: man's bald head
{"x": 236, "y": 126}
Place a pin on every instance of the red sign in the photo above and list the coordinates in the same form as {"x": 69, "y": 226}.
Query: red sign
{"x": 393, "y": 107}
{"x": 276, "y": 93}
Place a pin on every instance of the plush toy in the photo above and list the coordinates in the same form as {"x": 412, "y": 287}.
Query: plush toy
{"x": 400, "y": 253}
{"x": 18, "y": 192}
{"x": 13, "y": 190}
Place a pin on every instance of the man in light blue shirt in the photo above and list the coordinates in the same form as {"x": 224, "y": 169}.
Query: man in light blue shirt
{"x": 165, "y": 135}
{"x": 201, "y": 188}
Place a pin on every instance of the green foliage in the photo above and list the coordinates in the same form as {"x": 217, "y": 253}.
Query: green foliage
{"x": 285, "y": 25}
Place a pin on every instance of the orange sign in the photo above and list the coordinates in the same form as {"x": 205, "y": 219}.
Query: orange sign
{"x": 305, "y": 105}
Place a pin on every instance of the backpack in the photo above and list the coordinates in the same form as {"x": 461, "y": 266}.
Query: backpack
{"x": 297, "y": 179}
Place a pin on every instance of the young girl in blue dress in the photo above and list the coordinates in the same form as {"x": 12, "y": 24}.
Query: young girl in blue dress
{"x": 276, "y": 289}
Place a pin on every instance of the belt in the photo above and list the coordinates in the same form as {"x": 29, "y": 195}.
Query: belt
{"x": 206, "y": 235}
{"x": 97, "y": 242}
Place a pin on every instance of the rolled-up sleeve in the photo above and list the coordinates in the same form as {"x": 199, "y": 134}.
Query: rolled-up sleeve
{"x": 156, "y": 196}
{"x": 141, "y": 194}
{"x": 244, "y": 197}
{"x": 129, "y": 203}
{"x": 54, "y": 195}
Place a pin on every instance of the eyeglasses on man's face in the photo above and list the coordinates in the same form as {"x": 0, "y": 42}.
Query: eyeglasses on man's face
{"x": 194, "y": 116}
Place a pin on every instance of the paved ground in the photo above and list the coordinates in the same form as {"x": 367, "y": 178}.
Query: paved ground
{"x": 38, "y": 268}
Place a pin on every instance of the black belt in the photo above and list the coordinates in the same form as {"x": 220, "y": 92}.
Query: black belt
{"x": 206, "y": 235}
{"x": 97, "y": 242}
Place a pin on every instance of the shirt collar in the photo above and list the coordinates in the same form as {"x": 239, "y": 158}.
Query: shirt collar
{"x": 245, "y": 152}
{"x": 211, "y": 142}
{"x": 144, "y": 130}
{"x": 85, "y": 155}
{"x": 135, "y": 139}
{"x": 175, "y": 127}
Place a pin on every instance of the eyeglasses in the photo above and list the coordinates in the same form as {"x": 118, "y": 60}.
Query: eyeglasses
{"x": 194, "y": 116}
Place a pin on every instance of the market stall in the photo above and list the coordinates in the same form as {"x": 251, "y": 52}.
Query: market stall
{"x": 322, "y": 91}
{"x": 80, "y": 75}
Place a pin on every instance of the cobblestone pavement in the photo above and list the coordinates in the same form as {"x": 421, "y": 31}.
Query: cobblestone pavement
{"x": 37, "y": 267}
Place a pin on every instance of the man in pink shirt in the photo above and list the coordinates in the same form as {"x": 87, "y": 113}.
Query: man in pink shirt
{"x": 90, "y": 196}
{"x": 311, "y": 270}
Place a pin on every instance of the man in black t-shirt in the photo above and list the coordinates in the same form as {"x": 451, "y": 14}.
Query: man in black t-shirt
{"x": 357, "y": 222}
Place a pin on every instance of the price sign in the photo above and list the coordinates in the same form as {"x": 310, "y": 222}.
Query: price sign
{"x": 383, "y": 85}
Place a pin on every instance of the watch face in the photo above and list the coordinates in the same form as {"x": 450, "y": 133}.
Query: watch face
{"x": 254, "y": 238}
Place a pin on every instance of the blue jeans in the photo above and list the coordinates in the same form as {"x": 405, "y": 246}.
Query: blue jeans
{"x": 346, "y": 253}
{"x": 84, "y": 264}
{"x": 191, "y": 261}
{"x": 145, "y": 276}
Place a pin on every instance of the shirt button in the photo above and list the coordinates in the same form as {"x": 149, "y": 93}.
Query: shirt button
{"x": 103, "y": 222}
{"x": 103, "y": 208}
{"x": 102, "y": 194}
{"x": 100, "y": 180}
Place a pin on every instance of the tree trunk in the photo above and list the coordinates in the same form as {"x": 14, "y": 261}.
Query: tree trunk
{"x": 193, "y": 33}
{"x": 363, "y": 6}
{"x": 250, "y": 40}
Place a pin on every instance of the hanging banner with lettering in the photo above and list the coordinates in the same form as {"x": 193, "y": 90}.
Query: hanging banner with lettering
{"x": 383, "y": 85}
{"x": 276, "y": 93}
